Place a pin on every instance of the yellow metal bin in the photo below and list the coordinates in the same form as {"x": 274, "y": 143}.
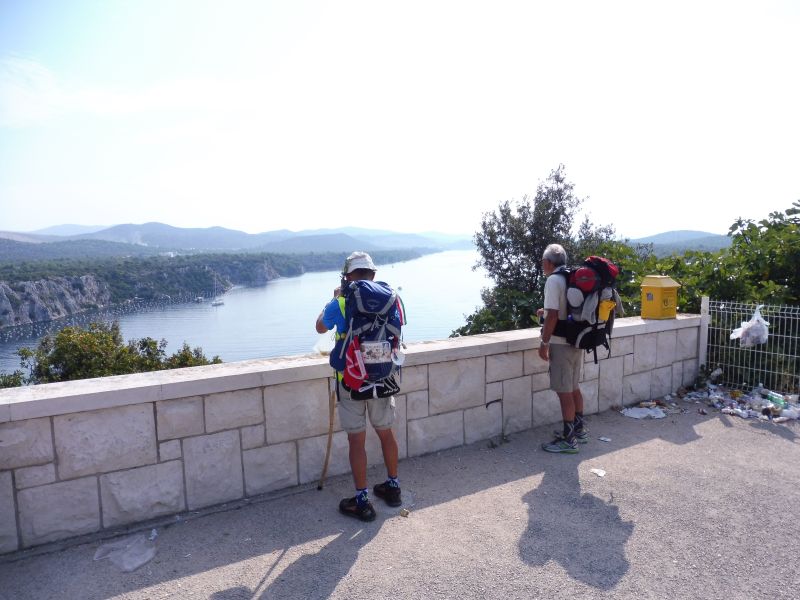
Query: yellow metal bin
{"x": 659, "y": 297}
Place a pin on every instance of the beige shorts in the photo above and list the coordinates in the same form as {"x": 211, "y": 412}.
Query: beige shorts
{"x": 565, "y": 367}
{"x": 353, "y": 413}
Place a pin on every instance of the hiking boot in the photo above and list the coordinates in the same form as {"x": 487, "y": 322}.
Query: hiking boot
{"x": 351, "y": 508}
{"x": 581, "y": 438}
{"x": 388, "y": 493}
{"x": 560, "y": 444}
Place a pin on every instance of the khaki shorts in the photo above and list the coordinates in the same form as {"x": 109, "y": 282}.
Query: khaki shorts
{"x": 565, "y": 368}
{"x": 353, "y": 413}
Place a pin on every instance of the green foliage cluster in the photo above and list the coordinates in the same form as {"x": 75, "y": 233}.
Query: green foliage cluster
{"x": 98, "y": 351}
{"x": 759, "y": 266}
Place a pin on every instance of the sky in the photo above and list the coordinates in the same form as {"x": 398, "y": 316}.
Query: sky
{"x": 410, "y": 116}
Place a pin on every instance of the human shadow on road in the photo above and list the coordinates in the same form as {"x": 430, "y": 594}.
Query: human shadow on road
{"x": 581, "y": 532}
{"x": 317, "y": 575}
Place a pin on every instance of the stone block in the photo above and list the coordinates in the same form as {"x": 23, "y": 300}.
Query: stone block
{"x": 503, "y": 366}
{"x": 666, "y": 348}
{"x": 270, "y": 468}
{"x": 180, "y": 418}
{"x": 644, "y": 352}
{"x": 636, "y": 388}
{"x": 589, "y": 391}
{"x": 591, "y": 370}
{"x": 253, "y": 437}
{"x": 169, "y": 450}
{"x": 533, "y": 364}
{"x": 142, "y": 493}
{"x": 311, "y": 454}
{"x": 417, "y": 404}
{"x": 456, "y": 384}
{"x": 494, "y": 391}
{"x": 234, "y": 409}
{"x": 9, "y": 541}
{"x": 687, "y": 343}
{"x": 483, "y": 422}
{"x": 628, "y": 368}
{"x": 33, "y": 476}
{"x": 296, "y": 410}
{"x": 540, "y": 381}
{"x": 435, "y": 433}
{"x": 105, "y": 440}
{"x": 414, "y": 379}
{"x": 213, "y": 465}
{"x": 546, "y": 408}
{"x": 610, "y": 383}
{"x": 517, "y": 404}
{"x": 690, "y": 369}
{"x": 677, "y": 375}
{"x": 25, "y": 443}
{"x": 58, "y": 511}
{"x": 661, "y": 382}
{"x": 621, "y": 346}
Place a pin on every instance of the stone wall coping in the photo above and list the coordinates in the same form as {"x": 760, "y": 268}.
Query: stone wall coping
{"x": 44, "y": 400}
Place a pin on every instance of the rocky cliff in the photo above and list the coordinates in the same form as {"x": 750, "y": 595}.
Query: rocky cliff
{"x": 46, "y": 299}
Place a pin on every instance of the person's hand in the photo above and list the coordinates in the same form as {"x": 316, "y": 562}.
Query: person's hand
{"x": 539, "y": 312}
{"x": 337, "y": 292}
{"x": 544, "y": 351}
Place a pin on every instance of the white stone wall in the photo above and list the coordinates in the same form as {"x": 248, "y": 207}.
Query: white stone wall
{"x": 83, "y": 456}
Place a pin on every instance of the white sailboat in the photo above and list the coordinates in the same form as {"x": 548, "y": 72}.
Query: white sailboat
{"x": 214, "y": 300}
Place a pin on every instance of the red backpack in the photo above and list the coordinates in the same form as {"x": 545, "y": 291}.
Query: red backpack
{"x": 591, "y": 302}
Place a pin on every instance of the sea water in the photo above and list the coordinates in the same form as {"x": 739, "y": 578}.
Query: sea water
{"x": 278, "y": 319}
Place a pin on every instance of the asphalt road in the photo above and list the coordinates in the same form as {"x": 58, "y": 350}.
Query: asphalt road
{"x": 691, "y": 506}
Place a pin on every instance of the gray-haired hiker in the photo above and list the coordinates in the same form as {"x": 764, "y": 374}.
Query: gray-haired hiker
{"x": 353, "y": 412}
{"x": 565, "y": 360}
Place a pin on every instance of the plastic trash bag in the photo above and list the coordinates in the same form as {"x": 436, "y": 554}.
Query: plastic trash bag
{"x": 752, "y": 332}
{"x": 128, "y": 553}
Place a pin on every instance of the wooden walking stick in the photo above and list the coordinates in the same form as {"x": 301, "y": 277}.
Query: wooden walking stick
{"x": 332, "y": 398}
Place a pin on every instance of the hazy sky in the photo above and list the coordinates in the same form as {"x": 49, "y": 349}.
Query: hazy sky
{"x": 412, "y": 116}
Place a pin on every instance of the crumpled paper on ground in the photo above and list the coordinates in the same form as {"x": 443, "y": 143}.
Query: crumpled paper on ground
{"x": 644, "y": 413}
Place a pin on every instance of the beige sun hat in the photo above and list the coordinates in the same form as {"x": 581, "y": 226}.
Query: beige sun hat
{"x": 359, "y": 260}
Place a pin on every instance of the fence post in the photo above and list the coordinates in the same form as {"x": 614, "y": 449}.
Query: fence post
{"x": 704, "y": 321}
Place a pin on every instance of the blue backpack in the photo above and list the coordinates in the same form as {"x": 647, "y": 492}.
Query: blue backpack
{"x": 369, "y": 355}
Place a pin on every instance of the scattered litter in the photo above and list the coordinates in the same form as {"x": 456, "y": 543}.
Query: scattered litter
{"x": 715, "y": 374}
{"x": 128, "y": 553}
{"x": 759, "y": 403}
{"x": 604, "y": 439}
{"x": 598, "y": 472}
{"x": 404, "y": 512}
{"x": 153, "y": 535}
{"x": 644, "y": 413}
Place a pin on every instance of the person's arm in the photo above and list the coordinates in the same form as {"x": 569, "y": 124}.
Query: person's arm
{"x": 321, "y": 326}
{"x": 550, "y": 321}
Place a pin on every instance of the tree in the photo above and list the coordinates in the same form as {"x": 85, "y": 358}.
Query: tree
{"x": 511, "y": 243}
{"x": 98, "y": 351}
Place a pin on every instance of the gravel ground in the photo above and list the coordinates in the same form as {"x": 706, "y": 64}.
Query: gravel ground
{"x": 691, "y": 506}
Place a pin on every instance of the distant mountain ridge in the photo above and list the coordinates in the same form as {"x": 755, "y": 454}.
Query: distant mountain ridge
{"x": 680, "y": 241}
{"x": 154, "y": 238}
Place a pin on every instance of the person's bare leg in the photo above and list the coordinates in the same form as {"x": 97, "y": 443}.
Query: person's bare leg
{"x": 358, "y": 458}
{"x": 389, "y": 448}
